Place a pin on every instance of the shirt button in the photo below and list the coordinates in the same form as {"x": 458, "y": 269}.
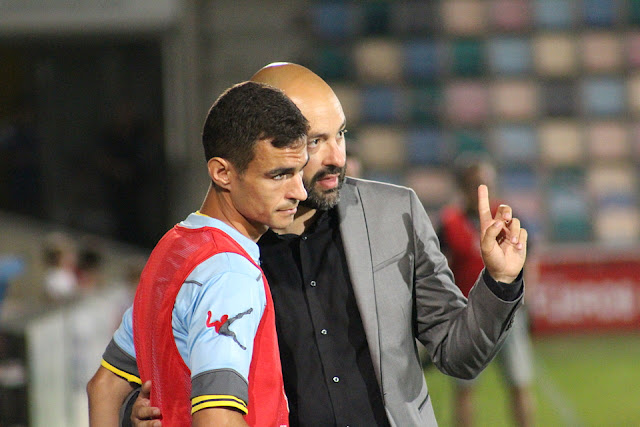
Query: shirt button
{"x": 304, "y": 237}
{"x": 313, "y": 283}
{"x": 336, "y": 379}
{"x": 323, "y": 332}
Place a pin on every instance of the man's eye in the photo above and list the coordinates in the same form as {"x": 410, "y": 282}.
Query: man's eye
{"x": 313, "y": 142}
{"x": 281, "y": 176}
{"x": 342, "y": 132}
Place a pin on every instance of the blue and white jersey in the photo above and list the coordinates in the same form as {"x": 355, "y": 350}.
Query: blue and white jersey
{"x": 215, "y": 318}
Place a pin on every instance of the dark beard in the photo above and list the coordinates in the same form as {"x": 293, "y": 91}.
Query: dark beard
{"x": 324, "y": 200}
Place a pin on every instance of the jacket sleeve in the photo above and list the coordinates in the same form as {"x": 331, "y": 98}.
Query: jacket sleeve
{"x": 461, "y": 336}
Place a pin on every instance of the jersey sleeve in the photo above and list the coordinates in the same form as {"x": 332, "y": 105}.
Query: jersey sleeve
{"x": 216, "y": 316}
{"x": 120, "y": 355}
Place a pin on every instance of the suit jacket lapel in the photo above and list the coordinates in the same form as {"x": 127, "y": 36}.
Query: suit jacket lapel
{"x": 355, "y": 238}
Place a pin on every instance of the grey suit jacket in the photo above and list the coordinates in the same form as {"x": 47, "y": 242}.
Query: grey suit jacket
{"x": 405, "y": 290}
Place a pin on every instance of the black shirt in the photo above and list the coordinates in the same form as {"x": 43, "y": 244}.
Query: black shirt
{"x": 327, "y": 369}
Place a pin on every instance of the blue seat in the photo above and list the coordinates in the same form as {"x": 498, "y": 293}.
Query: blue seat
{"x": 334, "y": 21}
{"x": 516, "y": 143}
{"x": 603, "y": 96}
{"x": 422, "y": 60}
{"x": 601, "y": 13}
{"x": 381, "y": 104}
{"x": 427, "y": 146}
{"x": 554, "y": 14}
{"x": 510, "y": 55}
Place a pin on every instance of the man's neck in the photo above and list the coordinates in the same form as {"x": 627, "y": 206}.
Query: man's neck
{"x": 219, "y": 206}
{"x": 303, "y": 219}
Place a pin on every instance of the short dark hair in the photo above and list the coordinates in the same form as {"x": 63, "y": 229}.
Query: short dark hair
{"x": 245, "y": 114}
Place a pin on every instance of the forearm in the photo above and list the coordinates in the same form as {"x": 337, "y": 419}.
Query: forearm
{"x": 462, "y": 336}
{"x": 106, "y": 392}
{"x": 468, "y": 339}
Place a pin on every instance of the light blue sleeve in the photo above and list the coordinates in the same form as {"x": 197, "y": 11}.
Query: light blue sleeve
{"x": 217, "y": 313}
{"x": 124, "y": 334}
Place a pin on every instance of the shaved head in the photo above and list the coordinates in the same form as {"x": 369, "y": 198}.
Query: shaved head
{"x": 289, "y": 77}
{"x": 304, "y": 87}
{"x": 324, "y": 174}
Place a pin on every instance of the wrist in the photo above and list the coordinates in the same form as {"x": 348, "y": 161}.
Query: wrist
{"x": 501, "y": 278}
{"x": 505, "y": 291}
{"x": 504, "y": 279}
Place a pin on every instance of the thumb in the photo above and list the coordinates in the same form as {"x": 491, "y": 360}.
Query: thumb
{"x": 145, "y": 391}
{"x": 490, "y": 235}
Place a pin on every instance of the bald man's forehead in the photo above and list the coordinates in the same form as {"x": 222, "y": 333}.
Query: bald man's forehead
{"x": 282, "y": 74}
{"x": 316, "y": 101}
{"x": 290, "y": 78}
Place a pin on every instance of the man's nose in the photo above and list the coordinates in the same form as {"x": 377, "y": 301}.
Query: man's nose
{"x": 337, "y": 155}
{"x": 297, "y": 191}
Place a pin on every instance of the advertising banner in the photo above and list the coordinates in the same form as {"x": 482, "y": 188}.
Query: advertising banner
{"x": 585, "y": 290}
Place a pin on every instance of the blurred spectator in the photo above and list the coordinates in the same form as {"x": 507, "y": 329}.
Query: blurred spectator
{"x": 458, "y": 237}
{"x": 132, "y": 274}
{"x": 89, "y": 269}
{"x": 60, "y": 258}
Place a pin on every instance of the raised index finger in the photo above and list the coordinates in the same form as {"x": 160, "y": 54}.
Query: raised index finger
{"x": 484, "y": 209}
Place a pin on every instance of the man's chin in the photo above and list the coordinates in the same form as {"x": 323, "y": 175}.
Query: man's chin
{"x": 321, "y": 201}
{"x": 281, "y": 222}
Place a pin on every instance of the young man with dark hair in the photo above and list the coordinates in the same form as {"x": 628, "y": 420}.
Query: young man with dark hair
{"x": 203, "y": 318}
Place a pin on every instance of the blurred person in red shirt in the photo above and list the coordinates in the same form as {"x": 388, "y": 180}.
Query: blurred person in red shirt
{"x": 458, "y": 230}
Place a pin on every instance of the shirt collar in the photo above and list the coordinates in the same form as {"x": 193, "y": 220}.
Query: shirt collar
{"x": 199, "y": 220}
{"x": 321, "y": 223}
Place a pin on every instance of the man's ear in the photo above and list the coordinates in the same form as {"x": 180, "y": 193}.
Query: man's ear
{"x": 220, "y": 171}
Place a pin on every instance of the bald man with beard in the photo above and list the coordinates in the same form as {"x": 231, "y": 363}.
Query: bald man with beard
{"x": 358, "y": 276}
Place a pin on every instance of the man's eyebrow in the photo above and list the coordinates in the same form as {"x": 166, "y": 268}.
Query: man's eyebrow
{"x": 281, "y": 171}
{"x": 285, "y": 171}
{"x": 317, "y": 135}
{"x": 343, "y": 126}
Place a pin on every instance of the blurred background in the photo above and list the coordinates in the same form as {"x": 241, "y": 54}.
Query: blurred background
{"x": 101, "y": 107}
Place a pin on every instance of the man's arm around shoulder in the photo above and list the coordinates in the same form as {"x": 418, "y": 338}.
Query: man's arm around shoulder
{"x": 145, "y": 415}
{"x": 106, "y": 392}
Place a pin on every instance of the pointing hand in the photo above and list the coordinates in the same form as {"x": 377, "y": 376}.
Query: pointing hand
{"x": 503, "y": 243}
